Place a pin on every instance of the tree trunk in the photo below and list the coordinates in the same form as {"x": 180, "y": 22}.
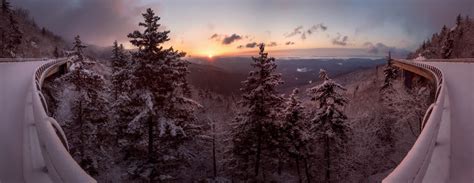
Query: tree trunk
{"x": 306, "y": 167}
{"x": 328, "y": 159}
{"x": 81, "y": 129}
{"x": 259, "y": 150}
{"x": 150, "y": 139}
{"x": 280, "y": 166}
{"x": 297, "y": 161}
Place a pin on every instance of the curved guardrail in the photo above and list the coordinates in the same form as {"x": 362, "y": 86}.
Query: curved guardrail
{"x": 61, "y": 167}
{"x": 415, "y": 164}
{"x": 22, "y": 59}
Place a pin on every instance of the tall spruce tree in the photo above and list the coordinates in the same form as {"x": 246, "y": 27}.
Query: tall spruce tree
{"x": 295, "y": 133}
{"x": 459, "y": 20}
{"x": 166, "y": 116}
{"x": 78, "y": 48}
{"x": 56, "y": 53}
{"x": 6, "y": 6}
{"x": 391, "y": 73}
{"x": 124, "y": 109}
{"x": 119, "y": 62}
{"x": 89, "y": 131}
{"x": 257, "y": 124}
{"x": 329, "y": 122}
{"x": 14, "y": 37}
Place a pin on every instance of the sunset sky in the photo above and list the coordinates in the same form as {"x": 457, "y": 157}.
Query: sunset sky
{"x": 223, "y": 27}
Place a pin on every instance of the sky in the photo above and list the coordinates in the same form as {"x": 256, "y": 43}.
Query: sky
{"x": 233, "y": 27}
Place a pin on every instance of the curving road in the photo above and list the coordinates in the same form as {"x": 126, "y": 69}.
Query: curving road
{"x": 15, "y": 94}
{"x": 460, "y": 84}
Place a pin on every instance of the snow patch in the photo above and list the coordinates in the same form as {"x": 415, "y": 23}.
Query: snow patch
{"x": 304, "y": 69}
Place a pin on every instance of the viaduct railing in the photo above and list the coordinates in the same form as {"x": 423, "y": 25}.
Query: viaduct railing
{"x": 415, "y": 164}
{"x": 60, "y": 166}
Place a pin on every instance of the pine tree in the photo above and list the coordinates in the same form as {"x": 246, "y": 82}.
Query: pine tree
{"x": 329, "y": 122}
{"x": 14, "y": 37}
{"x": 256, "y": 125}
{"x": 6, "y": 6}
{"x": 123, "y": 107}
{"x": 296, "y": 136}
{"x": 447, "y": 47}
{"x": 159, "y": 84}
{"x": 78, "y": 48}
{"x": 89, "y": 129}
{"x": 458, "y": 20}
{"x": 444, "y": 31}
{"x": 56, "y": 53}
{"x": 118, "y": 65}
{"x": 391, "y": 73}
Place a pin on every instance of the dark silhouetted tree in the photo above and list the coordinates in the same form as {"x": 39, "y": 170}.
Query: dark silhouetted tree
{"x": 6, "y": 6}
{"x": 329, "y": 122}
{"x": 13, "y": 38}
{"x": 78, "y": 48}
{"x": 459, "y": 20}
{"x": 256, "y": 125}
{"x": 56, "y": 53}
{"x": 119, "y": 62}
{"x": 90, "y": 133}
{"x": 166, "y": 117}
{"x": 391, "y": 74}
{"x": 295, "y": 132}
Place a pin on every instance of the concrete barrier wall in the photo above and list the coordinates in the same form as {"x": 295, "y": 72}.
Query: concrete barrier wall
{"x": 61, "y": 167}
{"x": 22, "y": 59}
{"x": 415, "y": 164}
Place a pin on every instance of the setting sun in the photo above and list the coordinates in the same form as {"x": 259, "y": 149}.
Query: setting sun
{"x": 210, "y": 55}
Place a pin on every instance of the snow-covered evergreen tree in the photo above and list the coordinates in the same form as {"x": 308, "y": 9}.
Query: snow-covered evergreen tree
{"x": 295, "y": 133}
{"x": 458, "y": 20}
{"x": 13, "y": 38}
{"x": 89, "y": 130}
{"x": 391, "y": 74}
{"x": 78, "y": 48}
{"x": 56, "y": 53}
{"x": 329, "y": 122}
{"x": 6, "y": 6}
{"x": 256, "y": 126}
{"x": 160, "y": 89}
{"x": 119, "y": 73}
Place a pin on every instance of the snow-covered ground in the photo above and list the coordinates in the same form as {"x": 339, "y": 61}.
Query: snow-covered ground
{"x": 460, "y": 84}
{"x": 15, "y": 81}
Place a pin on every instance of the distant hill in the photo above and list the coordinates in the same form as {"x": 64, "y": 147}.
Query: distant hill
{"x": 36, "y": 41}
{"x": 455, "y": 42}
{"x": 224, "y": 75}
{"x": 207, "y": 77}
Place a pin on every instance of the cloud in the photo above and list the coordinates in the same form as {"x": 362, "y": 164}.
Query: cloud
{"x": 215, "y": 36}
{"x": 97, "y": 22}
{"x": 382, "y": 49}
{"x": 317, "y": 27}
{"x": 230, "y": 39}
{"x": 296, "y": 31}
{"x": 340, "y": 40}
{"x": 251, "y": 45}
{"x": 272, "y": 44}
{"x": 290, "y": 43}
{"x": 304, "y": 33}
{"x": 417, "y": 19}
{"x": 255, "y": 44}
